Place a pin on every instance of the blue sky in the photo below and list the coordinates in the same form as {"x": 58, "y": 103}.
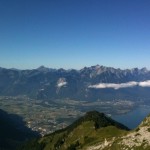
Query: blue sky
{"x": 74, "y": 33}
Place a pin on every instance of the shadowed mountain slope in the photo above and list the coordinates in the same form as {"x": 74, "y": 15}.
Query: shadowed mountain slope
{"x": 13, "y": 131}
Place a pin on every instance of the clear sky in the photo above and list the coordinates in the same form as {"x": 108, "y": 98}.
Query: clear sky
{"x": 74, "y": 33}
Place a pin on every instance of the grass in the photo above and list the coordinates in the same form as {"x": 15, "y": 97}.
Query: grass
{"x": 85, "y": 134}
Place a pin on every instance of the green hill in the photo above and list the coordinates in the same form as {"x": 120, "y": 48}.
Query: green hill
{"x": 95, "y": 131}
{"x": 92, "y": 128}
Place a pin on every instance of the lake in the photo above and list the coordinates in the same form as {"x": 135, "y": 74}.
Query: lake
{"x": 133, "y": 118}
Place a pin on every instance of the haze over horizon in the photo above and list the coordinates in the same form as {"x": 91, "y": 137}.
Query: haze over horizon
{"x": 74, "y": 34}
{"x": 57, "y": 68}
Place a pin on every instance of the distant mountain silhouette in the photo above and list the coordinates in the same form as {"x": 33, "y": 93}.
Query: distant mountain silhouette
{"x": 47, "y": 84}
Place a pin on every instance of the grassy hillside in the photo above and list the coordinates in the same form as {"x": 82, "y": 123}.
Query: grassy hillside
{"x": 90, "y": 129}
{"x": 95, "y": 131}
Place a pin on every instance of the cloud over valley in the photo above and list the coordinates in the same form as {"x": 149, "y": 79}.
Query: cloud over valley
{"x": 121, "y": 85}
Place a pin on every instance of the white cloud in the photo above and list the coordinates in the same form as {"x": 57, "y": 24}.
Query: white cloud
{"x": 145, "y": 83}
{"x": 61, "y": 84}
{"x": 120, "y": 85}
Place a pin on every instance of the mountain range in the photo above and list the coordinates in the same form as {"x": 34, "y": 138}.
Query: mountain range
{"x": 90, "y": 83}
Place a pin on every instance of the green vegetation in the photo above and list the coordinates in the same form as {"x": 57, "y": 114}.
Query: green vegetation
{"x": 32, "y": 145}
{"x": 137, "y": 129}
{"x": 148, "y": 129}
{"x": 90, "y": 129}
{"x": 73, "y": 146}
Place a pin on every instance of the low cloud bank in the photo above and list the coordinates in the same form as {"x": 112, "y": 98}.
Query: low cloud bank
{"x": 145, "y": 83}
{"x": 120, "y": 85}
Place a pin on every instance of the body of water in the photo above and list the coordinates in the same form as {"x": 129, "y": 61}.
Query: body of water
{"x": 133, "y": 118}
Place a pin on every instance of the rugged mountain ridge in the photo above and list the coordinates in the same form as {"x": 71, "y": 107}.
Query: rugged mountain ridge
{"x": 95, "y": 131}
{"x": 46, "y": 83}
